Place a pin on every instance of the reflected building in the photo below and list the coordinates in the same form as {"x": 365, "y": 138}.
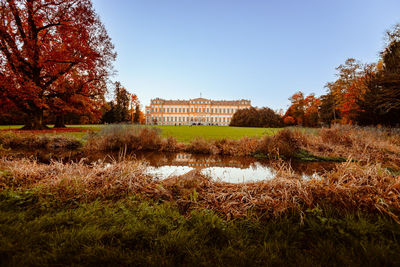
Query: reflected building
{"x": 194, "y": 111}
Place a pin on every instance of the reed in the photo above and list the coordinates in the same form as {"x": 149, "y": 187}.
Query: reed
{"x": 366, "y": 145}
{"x": 350, "y": 186}
{"x": 32, "y": 141}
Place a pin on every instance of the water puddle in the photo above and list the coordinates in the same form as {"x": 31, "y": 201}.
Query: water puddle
{"x": 164, "y": 165}
{"x": 223, "y": 168}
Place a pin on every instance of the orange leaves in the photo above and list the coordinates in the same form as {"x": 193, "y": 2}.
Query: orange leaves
{"x": 304, "y": 111}
{"x": 53, "y": 49}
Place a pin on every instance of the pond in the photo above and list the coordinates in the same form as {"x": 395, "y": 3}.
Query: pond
{"x": 163, "y": 165}
{"x": 224, "y": 168}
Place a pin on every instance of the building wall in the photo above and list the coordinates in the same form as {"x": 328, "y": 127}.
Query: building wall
{"x": 193, "y": 111}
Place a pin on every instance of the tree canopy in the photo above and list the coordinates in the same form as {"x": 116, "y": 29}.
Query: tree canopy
{"x": 55, "y": 56}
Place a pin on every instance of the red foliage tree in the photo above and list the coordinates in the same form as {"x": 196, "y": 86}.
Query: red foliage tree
{"x": 289, "y": 121}
{"x": 55, "y": 55}
{"x": 303, "y": 111}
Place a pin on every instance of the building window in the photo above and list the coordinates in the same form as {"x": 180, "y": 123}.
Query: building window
{"x": 195, "y": 110}
{"x": 192, "y": 110}
{"x": 176, "y": 110}
{"x": 224, "y": 110}
{"x": 212, "y": 110}
{"x": 207, "y": 110}
{"x": 179, "y": 110}
{"x": 152, "y": 110}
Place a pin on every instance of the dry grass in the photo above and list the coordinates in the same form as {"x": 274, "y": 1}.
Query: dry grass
{"x": 366, "y": 145}
{"x": 32, "y": 141}
{"x": 350, "y": 186}
{"x": 131, "y": 138}
{"x": 285, "y": 143}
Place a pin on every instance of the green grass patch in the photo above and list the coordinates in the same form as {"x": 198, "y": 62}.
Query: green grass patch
{"x": 304, "y": 155}
{"x": 40, "y": 231}
{"x": 183, "y": 134}
{"x": 187, "y": 133}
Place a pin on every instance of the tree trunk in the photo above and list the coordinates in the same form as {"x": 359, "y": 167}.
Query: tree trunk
{"x": 36, "y": 122}
{"x": 60, "y": 121}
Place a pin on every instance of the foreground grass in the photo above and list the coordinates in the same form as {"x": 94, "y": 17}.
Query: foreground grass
{"x": 42, "y": 231}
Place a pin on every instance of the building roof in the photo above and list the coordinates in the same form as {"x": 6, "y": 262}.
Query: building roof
{"x": 200, "y": 101}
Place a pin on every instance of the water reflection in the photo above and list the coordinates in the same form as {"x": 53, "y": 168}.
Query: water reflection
{"x": 224, "y": 168}
{"x": 164, "y": 165}
{"x": 255, "y": 173}
{"x": 167, "y": 171}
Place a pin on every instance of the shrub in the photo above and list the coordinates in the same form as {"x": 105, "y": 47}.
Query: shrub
{"x": 131, "y": 138}
{"x": 32, "y": 141}
{"x": 201, "y": 146}
{"x": 285, "y": 143}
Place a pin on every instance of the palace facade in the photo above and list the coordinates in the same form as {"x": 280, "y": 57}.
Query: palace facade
{"x": 194, "y": 111}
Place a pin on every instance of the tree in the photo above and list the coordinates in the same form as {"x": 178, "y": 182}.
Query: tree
{"x": 289, "y": 121}
{"x": 136, "y": 115}
{"x": 311, "y": 113}
{"x": 121, "y": 103}
{"x": 135, "y": 109}
{"x": 327, "y": 109}
{"x": 253, "y": 117}
{"x": 297, "y": 109}
{"x": 46, "y": 45}
{"x": 380, "y": 104}
{"x": 389, "y": 81}
{"x": 117, "y": 110}
{"x": 269, "y": 118}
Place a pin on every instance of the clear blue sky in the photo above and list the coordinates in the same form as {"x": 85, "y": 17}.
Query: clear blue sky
{"x": 232, "y": 49}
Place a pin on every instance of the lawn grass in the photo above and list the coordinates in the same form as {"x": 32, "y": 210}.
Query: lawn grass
{"x": 187, "y": 133}
{"x": 183, "y": 134}
{"x": 41, "y": 231}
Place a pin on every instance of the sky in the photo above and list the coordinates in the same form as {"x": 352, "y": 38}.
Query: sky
{"x": 263, "y": 51}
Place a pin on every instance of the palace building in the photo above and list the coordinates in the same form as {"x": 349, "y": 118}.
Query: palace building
{"x": 194, "y": 111}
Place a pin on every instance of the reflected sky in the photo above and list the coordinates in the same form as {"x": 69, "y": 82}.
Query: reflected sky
{"x": 255, "y": 173}
{"x": 167, "y": 171}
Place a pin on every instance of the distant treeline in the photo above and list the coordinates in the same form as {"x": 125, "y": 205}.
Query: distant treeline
{"x": 362, "y": 94}
{"x": 254, "y": 117}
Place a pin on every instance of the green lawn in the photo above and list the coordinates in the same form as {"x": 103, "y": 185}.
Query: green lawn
{"x": 188, "y": 133}
{"x": 9, "y": 127}
{"x": 183, "y": 133}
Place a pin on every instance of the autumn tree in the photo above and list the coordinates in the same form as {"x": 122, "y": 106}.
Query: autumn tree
{"x": 135, "y": 109}
{"x": 311, "y": 112}
{"x": 297, "y": 108}
{"x": 54, "y": 54}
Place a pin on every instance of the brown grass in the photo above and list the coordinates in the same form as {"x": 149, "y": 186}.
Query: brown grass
{"x": 350, "y": 186}
{"x": 22, "y": 140}
{"x": 285, "y": 143}
{"x": 117, "y": 137}
{"x": 366, "y": 145}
